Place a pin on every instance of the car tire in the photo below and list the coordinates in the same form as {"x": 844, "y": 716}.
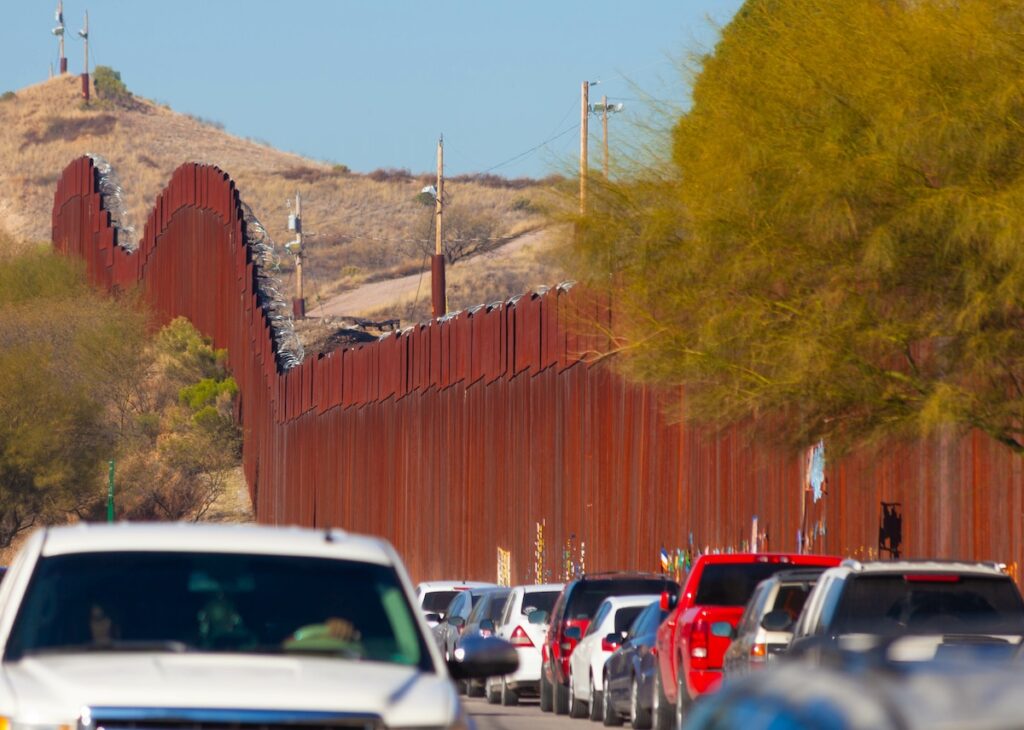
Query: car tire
{"x": 547, "y": 702}
{"x": 510, "y": 698}
{"x": 595, "y": 706}
{"x": 662, "y": 713}
{"x": 560, "y": 695}
{"x": 682, "y": 702}
{"x": 609, "y": 716}
{"x": 639, "y": 716}
{"x": 577, "y": 708}
{"x": 492, "y": 691}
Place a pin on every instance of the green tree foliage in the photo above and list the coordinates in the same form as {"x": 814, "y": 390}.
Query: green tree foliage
{"x": 833, "y": 245}
{"x": 184, "y": 441}
{"x": 109, "y": 86}
{"x": 60, "y": 348}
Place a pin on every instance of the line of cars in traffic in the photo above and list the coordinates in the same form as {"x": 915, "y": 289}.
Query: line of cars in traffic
{"x": 640, "y": 648}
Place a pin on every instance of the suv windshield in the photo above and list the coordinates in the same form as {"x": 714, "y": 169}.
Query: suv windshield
{"x": 174, "y": 601}
{"x": 732, "y": 584}
{"x": 946, "y": 604}
{"x": 588, "y": 594}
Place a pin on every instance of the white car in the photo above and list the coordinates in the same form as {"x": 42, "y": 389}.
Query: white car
{"x": 247, "y": 627}
{"x": 523, "y": 623}
{"x": 434, "y": 596}
{"x": 610, "y": 624}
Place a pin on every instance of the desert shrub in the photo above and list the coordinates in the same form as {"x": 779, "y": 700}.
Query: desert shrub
{"x": 206, "y": 122}
{"x": 8, "y": 95}
{"x": 109, "y": 85}
{"x": 68, "y": 129}
{"x": 390, "y": 174}
{"x": 339, "y": 169}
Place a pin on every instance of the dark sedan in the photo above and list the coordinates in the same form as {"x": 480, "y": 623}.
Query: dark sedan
{"x": 629, "y": 672}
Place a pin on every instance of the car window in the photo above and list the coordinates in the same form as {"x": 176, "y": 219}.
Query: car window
{"x": 588, "y": 594}
{"x": 625, "y": 617}
{"x": 479, "y": 611}
{"x": 235, "y": 603}
{"x": 506, "y": 610}
{"x": 437, "y": 601}
{"x": 732, "y": 584}
{"x": 929, "y": 604}
{"x": 539, "y": 601}
{"x": 828, "y": 605}
{"x": 755, "y": 607}
{"x": 455, "y": 607}
{"x": 598, "y": 619}
{"x": 643, "y": 622}
{"x": 791, "y": 599}
{"x": 495, "y": 602}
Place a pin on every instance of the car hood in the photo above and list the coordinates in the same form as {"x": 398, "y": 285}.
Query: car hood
{"x": 56, "y": 688}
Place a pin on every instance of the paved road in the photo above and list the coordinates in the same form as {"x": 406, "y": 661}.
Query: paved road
{"x": 525, "y": 716}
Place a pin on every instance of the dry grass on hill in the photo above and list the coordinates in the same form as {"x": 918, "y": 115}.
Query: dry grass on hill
{"x": 366, "y": 226}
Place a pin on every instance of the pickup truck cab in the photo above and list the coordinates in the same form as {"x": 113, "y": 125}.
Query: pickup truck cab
{"x": 692, "y": 641}
{"x": 222, "y": 626}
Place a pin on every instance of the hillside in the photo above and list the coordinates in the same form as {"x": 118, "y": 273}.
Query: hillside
{"x": 365, "y": 227}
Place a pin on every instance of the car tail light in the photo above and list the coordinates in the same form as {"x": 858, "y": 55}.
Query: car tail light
{"x": 699, "y": 640}
{"x": 520, "y": 638}
{"x": 758, "y": 653}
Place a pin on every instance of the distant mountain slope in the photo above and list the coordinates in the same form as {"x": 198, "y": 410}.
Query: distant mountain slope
{"x": 364, "y": 226}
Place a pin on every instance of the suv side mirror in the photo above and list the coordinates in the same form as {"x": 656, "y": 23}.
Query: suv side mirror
{"x": 488, "y": 626}
{"x": 777, "y": 620}
{"x": 478, "y": 657}
{"x": 668, "y": 601}
{"x": 573, "y": 633}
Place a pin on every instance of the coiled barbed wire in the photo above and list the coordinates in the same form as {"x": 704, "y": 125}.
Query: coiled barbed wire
{"x": 289, "y": 350}
{"x": 112, "y": 198}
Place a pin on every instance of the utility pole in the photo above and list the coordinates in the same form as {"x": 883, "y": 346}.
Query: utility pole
{"x": 295, "y": 248}
{"x": 584, "y": 115}
{"x": 84, "y": 33}
{"x": 438, "y": 296}
{"x": 110, "y": 491}
{"x": 59, "y": 32}
{"x": 604, "y": 135}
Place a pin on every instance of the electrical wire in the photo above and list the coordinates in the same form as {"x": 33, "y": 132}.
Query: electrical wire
{"x": 521, "y": 155}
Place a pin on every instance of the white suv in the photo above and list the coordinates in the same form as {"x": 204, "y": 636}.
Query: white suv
{"x": 940, "y": 602}
{"x": 184, "y": 625}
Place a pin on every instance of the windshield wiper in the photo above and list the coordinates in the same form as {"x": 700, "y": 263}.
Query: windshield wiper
{"x": 176, "y": 647}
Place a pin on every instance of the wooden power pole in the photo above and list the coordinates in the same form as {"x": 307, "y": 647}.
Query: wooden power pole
{"x": 584, "y": 114}
{"x": 604, "y": 135}
{"x": 295, "y": 248}
{"x": 438, "y": 296}
{"x": 59, "y": 32}
{"x": 85, "y": 73}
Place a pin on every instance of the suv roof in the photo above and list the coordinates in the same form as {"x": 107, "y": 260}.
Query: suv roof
{"x": 214, "y": 538}
{"x": 923, "y": 566}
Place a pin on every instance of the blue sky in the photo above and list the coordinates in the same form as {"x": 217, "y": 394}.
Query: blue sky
{"x": 372, "y": 84}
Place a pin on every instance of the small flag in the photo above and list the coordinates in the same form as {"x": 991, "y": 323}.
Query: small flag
{"x": 664, "y": 559}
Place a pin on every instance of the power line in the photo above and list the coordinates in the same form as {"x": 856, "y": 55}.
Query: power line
{"x": 533, "y": 149}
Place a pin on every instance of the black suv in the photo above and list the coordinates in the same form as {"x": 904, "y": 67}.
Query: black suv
{"x": 570, "y": 618}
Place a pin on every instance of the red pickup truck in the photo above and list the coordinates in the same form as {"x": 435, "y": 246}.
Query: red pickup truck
{"x": 692, "y": 641}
